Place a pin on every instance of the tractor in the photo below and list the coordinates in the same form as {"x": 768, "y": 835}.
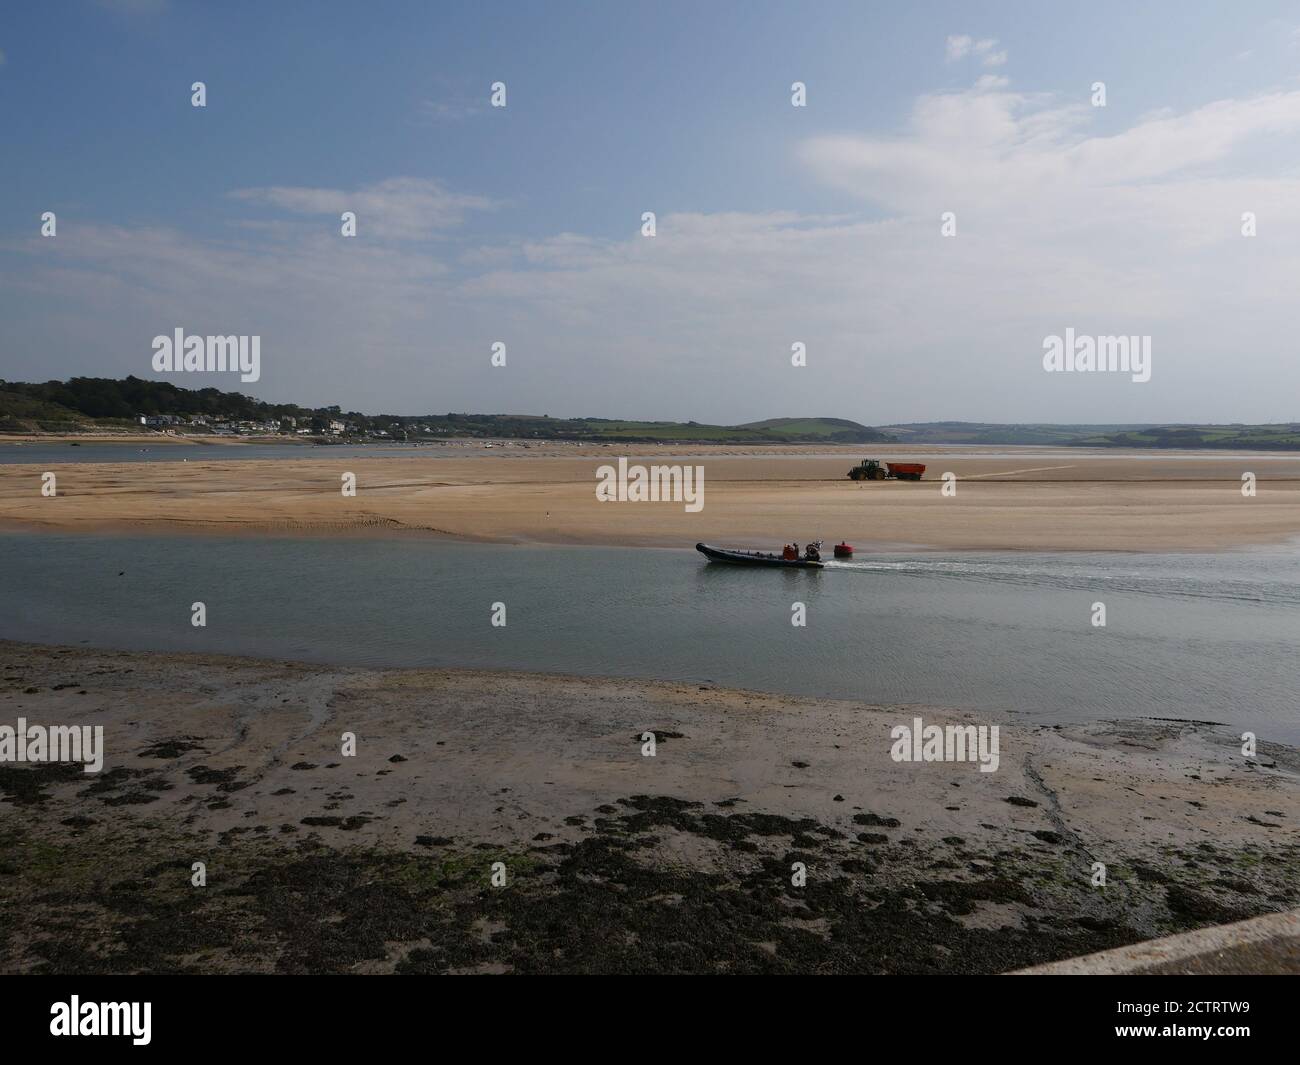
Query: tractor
{"x": 869, "y": 470}
{"x": 872, "y": 470}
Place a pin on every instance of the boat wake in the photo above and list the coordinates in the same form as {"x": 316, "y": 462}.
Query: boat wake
{"x": 1188, "y": 577}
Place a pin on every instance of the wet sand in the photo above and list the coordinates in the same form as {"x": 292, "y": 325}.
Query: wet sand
{"x": 1019, "y": 499}
{"x": 613, "y": 861}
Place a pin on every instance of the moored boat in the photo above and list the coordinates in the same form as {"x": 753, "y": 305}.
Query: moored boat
{"x": 754, "y": 558}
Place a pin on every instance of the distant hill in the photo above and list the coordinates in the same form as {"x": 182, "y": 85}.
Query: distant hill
{"x": 772, "y": 431}
{"x": 830, "y": 430}
{"x": 1279, "y": 437}
{"x": 106, "y": 403}
{"x": 611, "y": 430}
{"x": 18, "y": 407}
{"x": 994, "y": 433}
{"x": 1284, "y": 436}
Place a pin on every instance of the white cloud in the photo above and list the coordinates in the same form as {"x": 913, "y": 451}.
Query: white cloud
{"x": 401, "y": 208}
{"x": 450, "y": 110}
{"x": 991, "y": 148}
{"x": 985, "y": 50}
{"x": 958, "y": 46}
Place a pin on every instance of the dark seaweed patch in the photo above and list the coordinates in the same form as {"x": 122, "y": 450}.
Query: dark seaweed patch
{"x": 224, "y": 779}
{"x": 172, "y": 748}
{"x": 25, "y": 785}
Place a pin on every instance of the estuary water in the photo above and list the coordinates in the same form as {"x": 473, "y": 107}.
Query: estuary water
{"x": 1206, "y": 636}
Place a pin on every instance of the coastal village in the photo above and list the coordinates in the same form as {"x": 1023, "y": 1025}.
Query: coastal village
{"x": 201, "y": 424}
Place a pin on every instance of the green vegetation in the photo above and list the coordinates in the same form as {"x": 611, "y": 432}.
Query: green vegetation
{"x": 993, "y": 433}
{"x": 98, "y": 403}
{"x": 1279, "y": 437}
{"x": 105, "y": 400}
{"x": 830, "y": 430}
{"x": 775, "y": 430}
{"x": 18, "y": 408}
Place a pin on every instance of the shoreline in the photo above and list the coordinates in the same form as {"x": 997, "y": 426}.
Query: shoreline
{"x": 864, "y": 549}
{"x": 682, "y": 448}
{"x": 382, "y": 861}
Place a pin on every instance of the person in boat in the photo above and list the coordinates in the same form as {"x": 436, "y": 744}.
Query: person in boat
{"x": 812, "y": 554}
{"x": 790, "y": 552}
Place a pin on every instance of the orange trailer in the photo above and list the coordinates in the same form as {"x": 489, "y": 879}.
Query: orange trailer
{"x": 906, "y": 471}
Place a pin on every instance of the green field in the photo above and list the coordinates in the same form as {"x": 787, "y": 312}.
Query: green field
{"x": 994, "y": 433}
{"x": 832, "y": 430}
{"x": 1279, "y": 437}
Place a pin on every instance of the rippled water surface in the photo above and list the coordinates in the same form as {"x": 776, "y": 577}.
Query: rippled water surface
{"x": 1196, "y": 636}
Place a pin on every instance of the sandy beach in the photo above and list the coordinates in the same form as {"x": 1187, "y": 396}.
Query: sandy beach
{"x": 1020, "y": 498}
{"x": 612, "y": 861}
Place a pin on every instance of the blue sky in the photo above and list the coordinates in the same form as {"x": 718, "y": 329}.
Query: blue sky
{"x": 776, "y": 224}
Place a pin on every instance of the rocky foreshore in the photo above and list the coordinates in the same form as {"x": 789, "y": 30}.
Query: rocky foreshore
{"x": 267, "y": 816}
